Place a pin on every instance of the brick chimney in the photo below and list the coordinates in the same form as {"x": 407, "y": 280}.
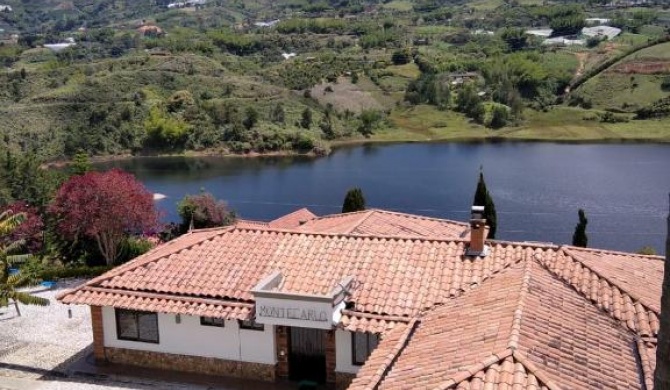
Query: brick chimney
{"x": 478, "y": 233}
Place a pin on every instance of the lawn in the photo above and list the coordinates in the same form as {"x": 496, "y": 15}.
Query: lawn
{"x": 426, "y": 123}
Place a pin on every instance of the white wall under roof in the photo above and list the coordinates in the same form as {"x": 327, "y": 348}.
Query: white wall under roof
{"x": 343, "y": 353}
{"x": 190, "y": 338}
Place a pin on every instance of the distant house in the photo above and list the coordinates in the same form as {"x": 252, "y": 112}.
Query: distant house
{"x": 5, "y": 8}
{"x": 596, "y": 21}
{"x": 271, "y": 23}
{"x": 288, "y": 55}
{"x": 56, "y": 47}
{"x": 460, "y": 78}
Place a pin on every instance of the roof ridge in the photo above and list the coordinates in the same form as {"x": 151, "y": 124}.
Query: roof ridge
{"x": 354, "y": 236}
{"x": 418, "y": 216}
{"x": 536, "y": 371}
{"x": 633, "y": 296}
{"x": 142, "y": 260}
{"x": 359, "y": 222}
{"x": 392, "y": 357}
{"x": 612, "y": 252}
{"x": 515, "y": 333}
{"x": 645, "y": 364}
{"x": 471, "y": 370}
{"x": 341, "y": 215}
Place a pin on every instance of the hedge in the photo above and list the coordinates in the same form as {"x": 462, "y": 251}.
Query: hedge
{"x": 72, "y": 272}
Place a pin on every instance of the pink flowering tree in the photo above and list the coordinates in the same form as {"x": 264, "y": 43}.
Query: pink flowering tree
{"x": 106, "y": 207}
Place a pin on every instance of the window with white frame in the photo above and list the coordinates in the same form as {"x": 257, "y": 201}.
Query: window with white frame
{"x": 135, "y": 325}
{"x": 362, "y": 345}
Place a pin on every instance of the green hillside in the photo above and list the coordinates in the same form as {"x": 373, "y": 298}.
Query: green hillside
{"x": 215, "y": 78}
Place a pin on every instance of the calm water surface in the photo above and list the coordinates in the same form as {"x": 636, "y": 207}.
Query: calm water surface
{"x": 537, "y": 187}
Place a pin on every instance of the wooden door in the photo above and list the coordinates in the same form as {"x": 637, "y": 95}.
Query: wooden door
{"x": 307, "y": 355}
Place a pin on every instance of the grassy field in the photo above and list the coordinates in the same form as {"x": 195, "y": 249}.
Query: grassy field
{"x": 563, "y": 124}
{"x": 621, "y": 88}
{"x": 399, "y": 5}
{"x": 657, "y": 51}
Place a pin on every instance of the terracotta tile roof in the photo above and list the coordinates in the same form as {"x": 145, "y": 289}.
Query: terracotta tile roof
{"x": 373, "y": 323}
{"x": 161, "y": 303}
{"x": 250, "y": 224}
{"x": 293, "y": 219}
{"x": 524, "y": 316}
{"x": 375, "y": 222}
{"x": 537, "y": 315}
{"x": 396, "y": 277}
{"x": 605, "y": 285}
{"x": 647, "y": 350}
{"x": 640, "y": 276}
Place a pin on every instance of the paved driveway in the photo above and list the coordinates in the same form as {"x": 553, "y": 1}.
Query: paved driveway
{"x": 44, "y": 338}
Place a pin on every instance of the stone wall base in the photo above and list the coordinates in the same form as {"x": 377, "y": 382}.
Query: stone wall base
{"x": 343, "y": 380}
{"x": 193, "y": 364}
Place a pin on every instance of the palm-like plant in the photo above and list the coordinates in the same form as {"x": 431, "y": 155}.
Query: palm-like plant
{"x": 9, "y": 284}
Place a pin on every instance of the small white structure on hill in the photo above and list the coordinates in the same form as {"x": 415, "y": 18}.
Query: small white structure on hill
{"x": 288, "y": 55}
{"x": 544, "y": 32}
{"x": 596, "y": 21}
{"x": 5, "y": 8}
{"x": 267, "y": 24}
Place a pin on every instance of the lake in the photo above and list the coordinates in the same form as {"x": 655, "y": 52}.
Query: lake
{"x": 537, "y": 187}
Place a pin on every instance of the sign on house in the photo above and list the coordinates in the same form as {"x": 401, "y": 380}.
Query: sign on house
{"x": 301, "y": 310}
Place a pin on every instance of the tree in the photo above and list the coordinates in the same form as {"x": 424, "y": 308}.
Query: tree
{"x": 306, "y": 119}
{"x": 579, "y": 238}
{"x": 400, "y": 57}
{"x": 353, "y": 201}
{"x": 647, "y": 250}
{"x": 277, "y": 115}
{"x": 516, "y": 38}
{"x": 483, "y": 198}
{"x": 80, "y": 164}
{"x": 106, "y": 207}
{"x": 31, "y": 229}
{"x": 662, "y": 374}
{"x": 204, "y": 211}
{"x": 9, "y": 222}
{"x": 499, "y": 116}
{"x": 250, "y": 118}
{"x": 369, "y": 120}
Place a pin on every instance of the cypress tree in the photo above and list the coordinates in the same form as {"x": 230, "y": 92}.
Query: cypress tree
{"x": 579, "y": 238}
{"x": 353, "y": 201}
{"x": 483, "y": 198}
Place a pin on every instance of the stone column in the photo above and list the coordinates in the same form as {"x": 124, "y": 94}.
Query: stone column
{"x": 330, "y": 356}
{"x": 98, "y": 335}
{"x": 281, "y": 344}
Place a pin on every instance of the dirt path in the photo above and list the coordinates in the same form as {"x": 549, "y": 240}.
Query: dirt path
{"x": 581, "y": 57}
